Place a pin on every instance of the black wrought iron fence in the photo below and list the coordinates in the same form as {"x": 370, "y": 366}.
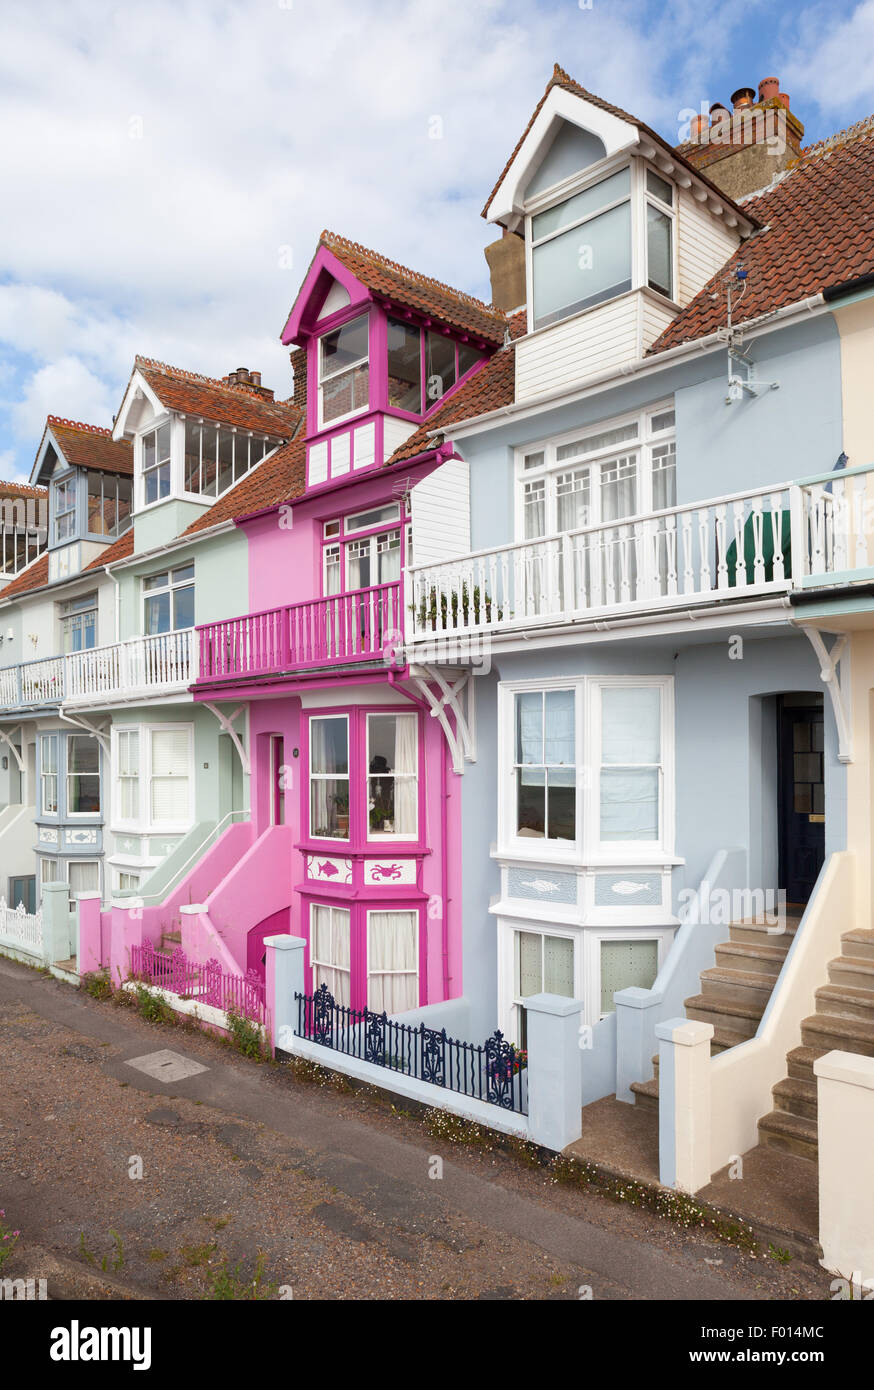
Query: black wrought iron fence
{"x": 493, "y": 1071}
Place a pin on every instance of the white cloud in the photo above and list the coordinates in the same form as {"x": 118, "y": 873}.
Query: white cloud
{"x": 831, "y": 59}
{"x": 64, "y": 387}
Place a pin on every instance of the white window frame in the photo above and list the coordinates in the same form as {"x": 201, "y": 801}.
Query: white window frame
{"x": 593, "y": 937}
{"x": 669, "y": 211}
{"x": 170, "y": 588}
{"x": 67, "y": 774}
{"x": 578, "y": 183}
{"x": 139, "y": 454}
{"x": 341, "y": 371}
{"x": 508, "y": 1001}
{"x": 390, "y": 909}
{"x": 587, "y": 849}
{"x": 59, "y": 486}
{"x": 328, "y": 777}
{"x": 66, "y": 879}
{"x": 386, "y": 837}
{"x": 648, "y": 439}
{"x": 129, "y": 887}
{"x": 144, "y": 823}
{"x": 237, "y": 473}
{"x": 118, "y": 733}
{"x": 43, "y": 775}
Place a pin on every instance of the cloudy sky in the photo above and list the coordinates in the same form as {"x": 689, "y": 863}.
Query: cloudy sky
{"x": 165, "y": 168}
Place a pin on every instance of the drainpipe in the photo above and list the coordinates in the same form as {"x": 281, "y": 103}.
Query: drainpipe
{"x": 108, "y": 570}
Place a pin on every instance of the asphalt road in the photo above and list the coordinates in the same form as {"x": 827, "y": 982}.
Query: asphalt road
{"x": 245, "y": 1177}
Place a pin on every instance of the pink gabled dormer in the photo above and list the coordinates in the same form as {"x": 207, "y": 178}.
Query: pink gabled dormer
{"x": 384, "y": 348}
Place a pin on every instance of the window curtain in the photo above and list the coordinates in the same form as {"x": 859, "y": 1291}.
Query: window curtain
{"x": 318, "y": 786}
{"x": 330, "y": 951}
{"x": 169, "y": 776}
{"x": 392, "y": 971}
{"x": 630, "y": 755}
{"x": 406, "y": 779}
{"x": 535, "y": 510}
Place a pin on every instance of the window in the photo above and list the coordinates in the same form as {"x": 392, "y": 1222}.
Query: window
{"x": 330, "y": 953}
{"x": 109, "y": 504}
{"x": 634, "y": 962}
{"x": 329, "y": 778}
{"x": 127, "y": 882}
{"x": 168, "y": 600}
{"x": 83, "y": 775}
{"x": 169, "y": 776}
{"x": 49, "y": 872}
{"x": 373, "y": 560}
{"x": 545, "y": 765}
{"x": 127, "y": 761}
{"x": 392, "y": 961}
{"x": 606, "y": 473}
{"x": 439, "y": 367}
{"x": 65, "y": 509}
{"x": 392, "y": 780}
{"x": 23, "y": 890}
{"x": 542, "y": 964}
{"x": 48, "y": 758}
{"x": 364, "y": 560}
{"x": 659, "y": 234}
{"x": 344, "y": 371}
{"x": 79, "y": 623}
{"x": 581, "y": 249}
{"x": 404, "y": 366}
{"x": 83, "y": 876}
{"x": 216, "y": 458}
{"x": 411, "y": 351}
{"x": 156, "y": 464}
{"x": 631, "y": 763}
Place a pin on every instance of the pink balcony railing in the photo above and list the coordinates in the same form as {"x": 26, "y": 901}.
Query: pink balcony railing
{"x": 338, "y": 631}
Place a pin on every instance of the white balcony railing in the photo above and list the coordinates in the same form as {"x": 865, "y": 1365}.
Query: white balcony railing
{"x": 744, "y": 545}
{"x": 166, "y": 662}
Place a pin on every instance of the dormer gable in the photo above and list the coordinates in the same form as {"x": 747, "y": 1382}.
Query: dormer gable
{"x": 89, "y": 480}
{"x": 620, "y": 232}
{"x": 383, "y": 346}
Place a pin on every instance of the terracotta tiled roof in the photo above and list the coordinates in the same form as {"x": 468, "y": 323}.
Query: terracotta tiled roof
{"x": 561, "y": 79}
{"x": 90, "y": 446}
{"x": 10, "y": 491}
{"x": 396, "y": 282}
{"x": 194, "y": 394}
{"x": 819, "y": 231}
{"x": 279, "y": 479}
{"x": 117, "y": 551}
{"x": 36, "y": 576}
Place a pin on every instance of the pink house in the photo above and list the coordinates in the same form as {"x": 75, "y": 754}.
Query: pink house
{"x": 355, "y": 802}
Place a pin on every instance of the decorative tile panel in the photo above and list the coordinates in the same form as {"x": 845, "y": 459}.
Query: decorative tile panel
{"x": 628, "y": 890}
{"x": 84, "y": 835}
{"x": 388, "y": 870}
{"x": 326, "y": 869}
{"x": 541, "y": 885}
{"x": 47, "y": 836}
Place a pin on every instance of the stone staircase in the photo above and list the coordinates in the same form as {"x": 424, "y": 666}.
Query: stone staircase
{"x": 169, "y": 942}
{"x": 844, "y": 1019}
{"x": 734, "y": 992}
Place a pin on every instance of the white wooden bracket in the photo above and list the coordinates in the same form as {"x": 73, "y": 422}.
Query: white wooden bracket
{"x": 837, "y": 685}
{"x": 7, "y": 739}
{"x": 227, "y": 723}
{"x": 455, "y": 698}
{"x": 79, "y": 722}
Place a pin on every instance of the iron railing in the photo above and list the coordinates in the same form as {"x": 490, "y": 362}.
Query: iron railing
{"x": 493, "y": 1071}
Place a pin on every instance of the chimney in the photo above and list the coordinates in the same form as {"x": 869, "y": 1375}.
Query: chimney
{"x": 298, "y": 360}
{"x": 506, "y": 262}
{"x": 251, "y": 380}
{"x": 742, "y": 149}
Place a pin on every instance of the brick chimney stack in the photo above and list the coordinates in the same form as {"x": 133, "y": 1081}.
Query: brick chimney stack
{"x": 298, "y": 359}
{"x": 250, "y": 380}
{"x": 742, "y": 149}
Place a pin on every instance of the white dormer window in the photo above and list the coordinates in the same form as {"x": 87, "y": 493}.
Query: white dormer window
{"x": 65, "y": 509}
{"x": 156, "y": 464}
{"x": 581, "y": 249}
{"x": 344, "y": 378}
{"x": 659, "y": 234}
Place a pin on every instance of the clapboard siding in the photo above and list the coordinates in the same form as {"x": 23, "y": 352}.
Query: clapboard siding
{"x": 705, "y": 244}
{"x": 567, "y": 353}
{"x": 440, "y": 508}
{"x": 395, "y": 431}
{"x": 655, "y": 318}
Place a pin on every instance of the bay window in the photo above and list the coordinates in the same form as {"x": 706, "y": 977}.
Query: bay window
{"x": 542, "y": 964}
{"x": 392, "y": 961}
{"x": 329, "y": 778}
{"x": 392, "y": 783}
{"x": 630, "y": 763}
{"x": 626, "y": 963}
{"x": 545, "y": 765}
{"x": 83, "y": 876}
{"x": 423, "y": 365}
{"x": 659, "y": 234}
{"x": 169, "y": 776}
{"x": 217, "y": 457}
{"x": 581, "y": 249}
{"x": 83, "y": 775}
{"x": 344, "y": 371}
{"x": 48, "y": 760}
{"x": 127, "y": 761}
{"x": 109, "y": 504}
{"x": 156, "y": 464}
{"x": 330, "y": 950}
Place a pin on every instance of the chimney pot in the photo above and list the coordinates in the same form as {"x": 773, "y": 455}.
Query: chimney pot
{"x": 743, "y": 97}
{"x": 255, "y": 378}
{"x": 697, "y": 126}
{"x": 784, "y": 98}
{"x": 769, "y": 88}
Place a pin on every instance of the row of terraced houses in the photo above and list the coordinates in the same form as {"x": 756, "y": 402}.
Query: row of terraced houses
{"x": 516, "y": 666}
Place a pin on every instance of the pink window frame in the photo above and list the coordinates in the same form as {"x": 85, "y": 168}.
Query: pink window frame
{"x": 342, "y": 540}
{"x": 358, "y": 910}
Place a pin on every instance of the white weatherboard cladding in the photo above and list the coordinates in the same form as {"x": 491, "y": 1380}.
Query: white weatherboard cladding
{"x": 705, "y": 244}
{"x": 394, "y": 433}
{"x": 318, "y": 462}
{"x": 564, "y": 354}
{"x": 364, "y": 448}
{"x": 340, "y": 452}
{"x": 440, "y": 508}
{"x": 336, "y": 299}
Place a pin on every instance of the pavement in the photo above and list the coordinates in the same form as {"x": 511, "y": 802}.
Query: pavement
{"x": 199, "y": 1174}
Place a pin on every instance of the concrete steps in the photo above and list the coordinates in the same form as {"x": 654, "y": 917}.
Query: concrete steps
{"x": 844, "y": 1019}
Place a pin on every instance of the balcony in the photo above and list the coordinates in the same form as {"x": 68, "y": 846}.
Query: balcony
{"x": 33, "y": 684}
{"x": 745, "y": 546}
{"x": 350, "y": 629}
{"x": 142, "y": 667}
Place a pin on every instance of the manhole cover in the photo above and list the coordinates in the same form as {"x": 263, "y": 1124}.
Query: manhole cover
{"x": 166, "y": 1065}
